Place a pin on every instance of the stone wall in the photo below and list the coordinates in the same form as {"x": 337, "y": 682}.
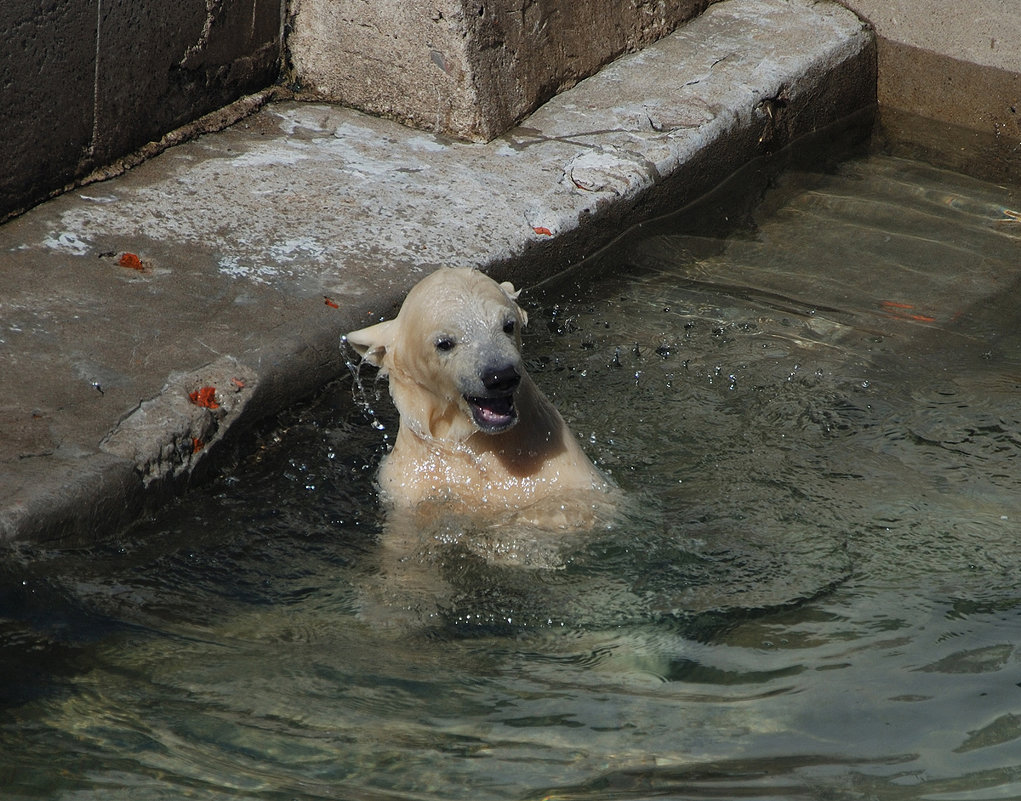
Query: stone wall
{"x": 468, "y": 68}
{"x": 82, "y": 82}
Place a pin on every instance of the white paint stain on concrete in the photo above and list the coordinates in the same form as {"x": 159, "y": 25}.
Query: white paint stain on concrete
{"x": 426, "y": 143}
{"x": 233, "y": 267}
{"x": 300, "y": 248}
{"x": 276, "y": 154}
{"x": 291, "y": 121}
{"x": 68, "y": 242}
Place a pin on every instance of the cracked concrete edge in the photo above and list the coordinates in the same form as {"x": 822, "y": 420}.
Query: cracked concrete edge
{"x": 164, "y": 436}
{"x": 162, "y": 445}
{"x": 142, "y": 461}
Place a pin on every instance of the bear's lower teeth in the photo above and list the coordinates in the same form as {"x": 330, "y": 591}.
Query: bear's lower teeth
{"x": 493, "y": 413}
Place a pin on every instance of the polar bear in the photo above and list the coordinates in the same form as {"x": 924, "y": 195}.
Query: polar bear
{"x": 474, "y": 428}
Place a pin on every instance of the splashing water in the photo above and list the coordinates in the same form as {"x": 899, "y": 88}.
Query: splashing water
{"x": 354, "y": 366}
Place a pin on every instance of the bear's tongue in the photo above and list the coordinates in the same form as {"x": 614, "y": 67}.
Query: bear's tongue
{"x": 493, "y": 414}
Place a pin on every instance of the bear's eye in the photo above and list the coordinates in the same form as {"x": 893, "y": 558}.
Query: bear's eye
{"x": 445, "y": 344}
{"x": 508, "y": 327}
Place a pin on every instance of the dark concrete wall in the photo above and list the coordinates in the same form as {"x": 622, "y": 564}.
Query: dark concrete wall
{"x": 83, "y": 82}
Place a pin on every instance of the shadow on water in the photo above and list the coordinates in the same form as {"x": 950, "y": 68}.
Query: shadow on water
{"x": 810, "y": 590}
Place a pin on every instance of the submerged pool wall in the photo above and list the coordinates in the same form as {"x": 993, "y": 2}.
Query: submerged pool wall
{"x": 949, "y": 80}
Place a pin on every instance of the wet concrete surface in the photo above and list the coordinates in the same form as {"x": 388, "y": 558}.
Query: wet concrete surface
{"x": 237, "y": 260}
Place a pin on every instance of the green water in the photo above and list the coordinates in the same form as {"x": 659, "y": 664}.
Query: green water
{"x": 812, "y": 589}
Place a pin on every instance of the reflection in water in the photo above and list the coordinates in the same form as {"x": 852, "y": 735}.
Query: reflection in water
{"x": 809, "y": 592}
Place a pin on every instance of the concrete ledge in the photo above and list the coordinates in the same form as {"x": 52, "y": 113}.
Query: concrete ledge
{"x": 252, "y": 249}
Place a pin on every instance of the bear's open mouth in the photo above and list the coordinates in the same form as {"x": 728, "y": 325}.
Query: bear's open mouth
{"x": 493, "y": 415}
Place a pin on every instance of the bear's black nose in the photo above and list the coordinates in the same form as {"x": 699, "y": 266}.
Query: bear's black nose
{"x": 503, "y": 379}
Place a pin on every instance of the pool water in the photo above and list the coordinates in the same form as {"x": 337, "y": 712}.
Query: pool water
{"x": 811, "y": 589}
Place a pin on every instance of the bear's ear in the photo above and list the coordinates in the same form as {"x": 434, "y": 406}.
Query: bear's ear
{"x": 512, "y": 293}
{"x": 509, "y": 290}
{"x": 373, "y": 342}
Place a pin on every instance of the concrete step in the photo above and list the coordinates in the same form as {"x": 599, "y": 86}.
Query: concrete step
{"x": 236, "y": 261}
